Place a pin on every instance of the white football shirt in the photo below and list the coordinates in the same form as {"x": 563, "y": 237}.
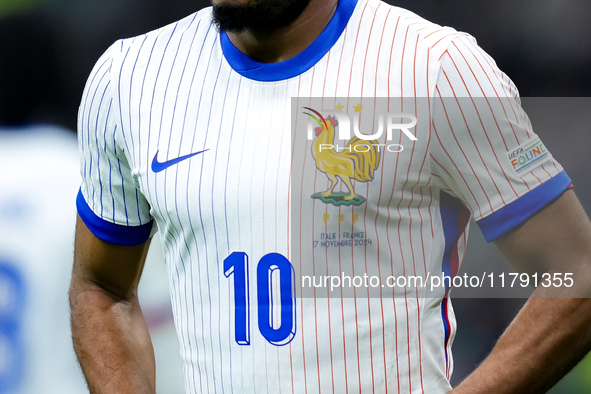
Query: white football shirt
{"x": 179, "y": 129}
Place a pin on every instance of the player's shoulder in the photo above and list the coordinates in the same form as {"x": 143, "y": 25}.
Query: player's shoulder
{"x": 128, "y": 52}
{"x": 427, "y": 34}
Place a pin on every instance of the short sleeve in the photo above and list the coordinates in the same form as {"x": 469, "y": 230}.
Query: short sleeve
{"x": 108, "y": 202}
{"x": 483, "y": 148}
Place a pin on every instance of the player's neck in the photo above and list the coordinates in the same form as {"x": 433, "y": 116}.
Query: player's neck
{"x": 287, "y": 42}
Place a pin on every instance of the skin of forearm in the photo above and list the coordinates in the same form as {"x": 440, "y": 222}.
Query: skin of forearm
{"x": 547, "y": 338}
{"x": 111, "y": 341}
{"x": 552, "y": 332}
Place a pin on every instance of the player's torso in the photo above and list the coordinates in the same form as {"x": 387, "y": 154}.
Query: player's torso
{"x": 227, "y": 167}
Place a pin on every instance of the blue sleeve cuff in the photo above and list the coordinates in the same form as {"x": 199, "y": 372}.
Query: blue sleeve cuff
{"x": 111, "y": 232}
{"x": 517, "y": 212}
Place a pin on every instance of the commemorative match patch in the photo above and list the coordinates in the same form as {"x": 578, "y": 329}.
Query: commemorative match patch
{"x": 528, "y": 156}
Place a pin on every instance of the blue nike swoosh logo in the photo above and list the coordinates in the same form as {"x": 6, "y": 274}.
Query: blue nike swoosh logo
{"x": 158, "y": 166}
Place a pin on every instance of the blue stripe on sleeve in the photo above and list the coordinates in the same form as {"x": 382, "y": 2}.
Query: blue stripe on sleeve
{"x": 517, "y": 212}
{"x": 111, "y": 232}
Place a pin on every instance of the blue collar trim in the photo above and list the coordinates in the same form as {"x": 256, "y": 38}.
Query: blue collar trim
{"x": 270, "y": 72}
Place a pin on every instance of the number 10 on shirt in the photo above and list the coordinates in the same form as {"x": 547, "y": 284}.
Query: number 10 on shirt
{"x": 267, "y": 269}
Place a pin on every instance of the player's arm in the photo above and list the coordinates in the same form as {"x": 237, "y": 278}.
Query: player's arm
{"x": 549, "y": 335}
{"x": 110, "y": 335}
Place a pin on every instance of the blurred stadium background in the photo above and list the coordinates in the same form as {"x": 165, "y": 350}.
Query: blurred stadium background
{"x": 48, "y": 47}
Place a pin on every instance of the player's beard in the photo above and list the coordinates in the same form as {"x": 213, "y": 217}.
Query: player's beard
{"x": 263, "y": 16}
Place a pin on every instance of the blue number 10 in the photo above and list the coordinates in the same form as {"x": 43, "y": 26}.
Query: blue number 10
{"x": 237, "y": 264}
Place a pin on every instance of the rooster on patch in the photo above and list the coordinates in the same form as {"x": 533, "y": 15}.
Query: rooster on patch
{"x": 358, "y": 161}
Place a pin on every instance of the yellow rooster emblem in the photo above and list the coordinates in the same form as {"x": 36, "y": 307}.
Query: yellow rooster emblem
{"x": 358, "y": 161}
